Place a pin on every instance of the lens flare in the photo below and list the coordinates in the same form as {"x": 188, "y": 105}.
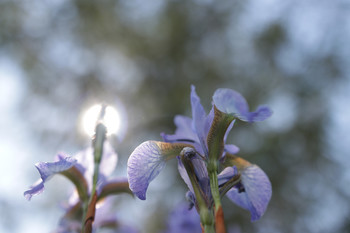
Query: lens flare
{"x": 111, "y": 120}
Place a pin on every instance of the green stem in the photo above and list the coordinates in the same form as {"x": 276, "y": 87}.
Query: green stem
{"x": 98, "y": 142}
{"x": 205, "y": 212}
{"x": 214, "y": 186}
{"x": 209, "y": 228}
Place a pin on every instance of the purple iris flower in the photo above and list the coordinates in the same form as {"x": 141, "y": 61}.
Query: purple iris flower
{"x": 253, "y": 192}
{"x": 47, "y": 170}
{"x": 79, "y": 169}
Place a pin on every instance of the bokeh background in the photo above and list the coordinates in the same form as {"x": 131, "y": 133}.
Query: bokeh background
{"x": 58, "y": 57}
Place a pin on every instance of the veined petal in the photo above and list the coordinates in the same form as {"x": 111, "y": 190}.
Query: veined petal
{"x": 47, "y": 170}
{"x": 146, "y": 161}
{"x": 257, "y": 191}
{"x": 231, "y": 102}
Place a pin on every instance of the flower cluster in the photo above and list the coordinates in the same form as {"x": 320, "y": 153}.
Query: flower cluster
{"x": 206, "y": 163}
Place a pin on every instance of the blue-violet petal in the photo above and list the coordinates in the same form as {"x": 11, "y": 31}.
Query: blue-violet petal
{"x": 257, "y": 191}
{"x": 47, "y": 170}
{"x": 231, "y": 102}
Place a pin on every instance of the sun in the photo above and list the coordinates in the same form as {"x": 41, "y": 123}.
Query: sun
{"x": 111, "y": 120}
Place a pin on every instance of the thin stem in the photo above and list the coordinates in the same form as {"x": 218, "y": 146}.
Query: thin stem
{"x": 89, "y": 208}
{"x": 219, "y": 214}
{"x": 214, "y": 186}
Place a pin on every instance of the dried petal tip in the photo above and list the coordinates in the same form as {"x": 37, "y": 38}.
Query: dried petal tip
{"x": 231, "y": 102}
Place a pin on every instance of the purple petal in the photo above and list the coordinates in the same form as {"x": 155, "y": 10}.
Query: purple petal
{"x": 231, "y": 102}
{"x": 227, "y": 174}
{"x": 262, "y": 113}
{"x": 109, "y": 160}
{"x": 228, "y": 130}
{"x": 184, "y": 130}
{"x": 184, "y": 175}
{"x": 257, "y": 192}
{"x": 108, "y": 163}
{"x": 199, "y": 119}
{"x": 47, "y": 170}
{"x": 209, "y": 121}
{"x": 232, "y": 149}
{"x": 145, "y": 163}
{"x": 184, "y": 220}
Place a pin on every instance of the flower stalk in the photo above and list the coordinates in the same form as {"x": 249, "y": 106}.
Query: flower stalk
{"x": 98, "y": 141}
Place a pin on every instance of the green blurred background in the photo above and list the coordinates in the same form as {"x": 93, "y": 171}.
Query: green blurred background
{"x": 58, "y": 57}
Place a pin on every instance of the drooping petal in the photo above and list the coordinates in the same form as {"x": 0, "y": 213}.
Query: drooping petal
{"x": 231, "y": 102}
{"x": 47, "y": 170}
{"x": 146, "y": 161}
{"x": 256, "y": 194}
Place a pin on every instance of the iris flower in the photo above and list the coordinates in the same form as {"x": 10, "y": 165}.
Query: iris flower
{"x": 243, "y": 183}
{"x": 79, "y": 169}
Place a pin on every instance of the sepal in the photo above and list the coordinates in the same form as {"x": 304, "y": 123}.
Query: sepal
{"x": 146, "y": 162}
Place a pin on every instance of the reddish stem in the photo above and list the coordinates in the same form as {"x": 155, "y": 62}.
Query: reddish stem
{"x": 90, "y": 215}
{"x": 219, "y": 221}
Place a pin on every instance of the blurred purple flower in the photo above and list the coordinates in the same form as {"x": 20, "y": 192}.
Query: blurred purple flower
{"x": 184, "y": 220}
{"x": 47, "y": 170}
{"x": 79, "y": 169}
